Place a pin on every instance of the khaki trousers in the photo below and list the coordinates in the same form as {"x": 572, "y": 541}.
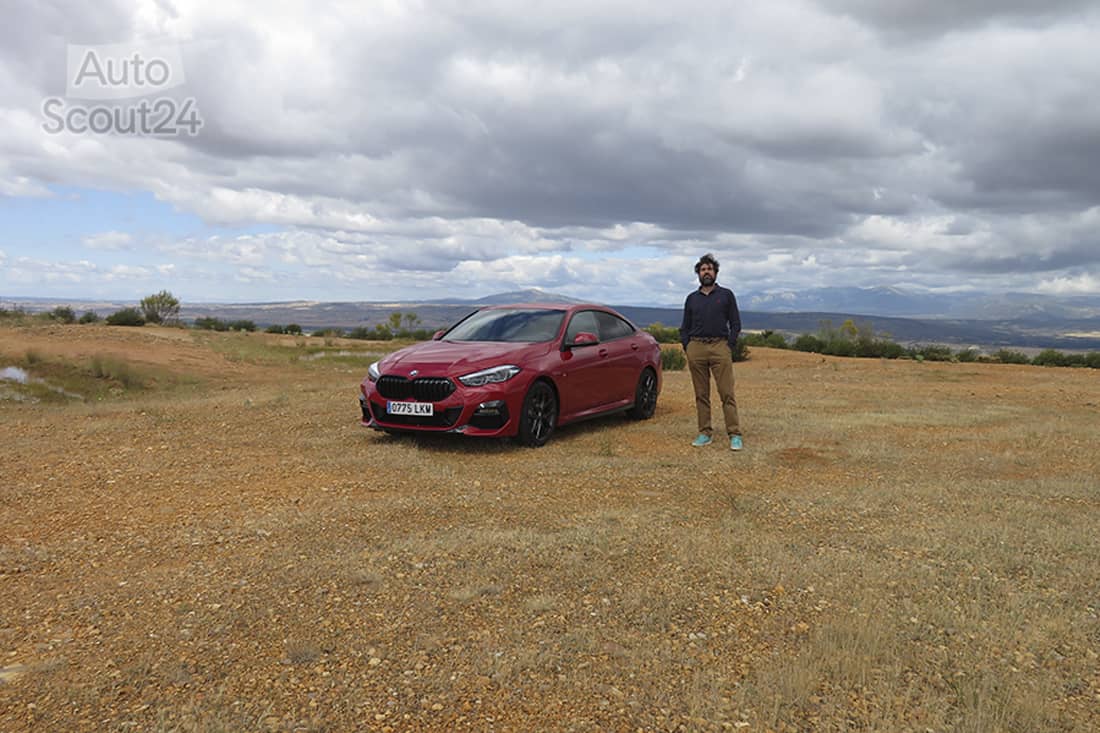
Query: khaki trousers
{"x": 705, "y": 359}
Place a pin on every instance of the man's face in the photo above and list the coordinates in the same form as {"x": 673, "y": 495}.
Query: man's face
{"x": 707, "y": 274}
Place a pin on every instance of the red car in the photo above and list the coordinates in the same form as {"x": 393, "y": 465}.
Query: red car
{"x": 516, "y": 370}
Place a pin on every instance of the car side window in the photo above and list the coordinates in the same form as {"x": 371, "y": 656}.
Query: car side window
{"x": 612, "y": 327}
{"x": 583, "y": 321}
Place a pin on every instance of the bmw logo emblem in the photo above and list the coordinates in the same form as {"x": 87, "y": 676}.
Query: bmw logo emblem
{"x": 414, "y": 372}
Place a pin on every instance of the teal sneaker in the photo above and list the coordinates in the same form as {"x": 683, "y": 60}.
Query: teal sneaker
{"x": 735, "y": 442}
{"x": 701, "y": 440}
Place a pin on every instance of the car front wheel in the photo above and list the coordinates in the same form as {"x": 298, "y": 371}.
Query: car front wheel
{"x": 539, "y": 415}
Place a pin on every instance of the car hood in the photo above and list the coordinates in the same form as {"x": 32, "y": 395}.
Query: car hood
{"x": 447, "y": 358}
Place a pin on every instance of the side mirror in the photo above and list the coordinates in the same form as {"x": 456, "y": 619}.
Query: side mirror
{"x": 584, "y": 338}
{"x": 437, "y": 335}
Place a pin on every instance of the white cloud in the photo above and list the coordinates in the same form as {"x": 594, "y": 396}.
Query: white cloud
{"x": 811, "y": 142}
{"x": 1083, "y": 284}
{"x": 22, "y": 186}
{"x": 111, "y": 240}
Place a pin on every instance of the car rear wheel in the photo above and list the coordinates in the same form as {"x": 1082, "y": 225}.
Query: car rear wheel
{"x": 539, "y": 415}
{"x": 645, "y": 396}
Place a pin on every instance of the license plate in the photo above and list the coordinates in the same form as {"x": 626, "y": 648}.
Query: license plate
{"x": 409, "y": 408}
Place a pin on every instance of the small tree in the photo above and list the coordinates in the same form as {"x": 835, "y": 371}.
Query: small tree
{"x": 89, "y": 317}
{"x": 163, "y": 307}
{"x": 63, "y": 314}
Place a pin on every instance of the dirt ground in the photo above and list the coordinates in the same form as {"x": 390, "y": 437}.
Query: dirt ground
{"x": 901, "y": 546}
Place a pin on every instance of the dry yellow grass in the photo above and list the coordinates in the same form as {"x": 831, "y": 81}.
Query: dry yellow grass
{"x": 901, "y": 547}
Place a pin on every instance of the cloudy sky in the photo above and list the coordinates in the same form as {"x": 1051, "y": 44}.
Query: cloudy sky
{"x": 399, "y": 149}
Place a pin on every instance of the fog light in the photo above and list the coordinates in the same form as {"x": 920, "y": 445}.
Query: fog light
{"x": 491, "y": 408}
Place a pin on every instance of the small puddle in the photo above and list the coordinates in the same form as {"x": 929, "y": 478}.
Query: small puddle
{"x": 20, "y": 376}
{"x": 14, "y": 374}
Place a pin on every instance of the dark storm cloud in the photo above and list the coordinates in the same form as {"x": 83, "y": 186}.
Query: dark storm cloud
{"x": 965, "y": 133}
{"x": 34, "y": 38}
{"x": 927, "y": 18}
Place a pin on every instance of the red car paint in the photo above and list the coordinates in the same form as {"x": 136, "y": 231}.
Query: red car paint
{"x": 595, "y": 362}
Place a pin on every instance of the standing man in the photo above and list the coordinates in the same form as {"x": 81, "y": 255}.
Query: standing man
{"x": 709, "y": 334}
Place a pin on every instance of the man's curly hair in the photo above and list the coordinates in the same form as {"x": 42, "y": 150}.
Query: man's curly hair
{"x": 707, "y": 259}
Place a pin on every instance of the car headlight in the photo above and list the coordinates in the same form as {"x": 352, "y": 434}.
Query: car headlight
{"x": 490, "y": 376}
{"x": 372, "y": 372}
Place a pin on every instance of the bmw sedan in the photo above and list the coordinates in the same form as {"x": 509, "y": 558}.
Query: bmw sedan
{"x": 516, "y": 371}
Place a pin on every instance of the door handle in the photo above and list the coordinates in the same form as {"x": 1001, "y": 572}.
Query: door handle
{"x": 634, "y": 346}
{"x": 603, "y": 352}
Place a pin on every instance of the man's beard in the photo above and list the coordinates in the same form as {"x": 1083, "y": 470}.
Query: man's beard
{"x": 706, "y": 280}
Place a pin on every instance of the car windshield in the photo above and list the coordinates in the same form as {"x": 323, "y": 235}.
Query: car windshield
{"x": 518, "y": 325}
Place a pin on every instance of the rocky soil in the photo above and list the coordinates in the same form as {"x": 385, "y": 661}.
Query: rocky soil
{"x": 900, "y": 546}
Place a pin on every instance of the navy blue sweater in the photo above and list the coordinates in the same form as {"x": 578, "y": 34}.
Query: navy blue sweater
{"x": 711, "y": 316}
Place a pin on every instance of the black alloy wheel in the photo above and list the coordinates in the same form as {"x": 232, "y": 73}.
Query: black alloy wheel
{"x": 645, "y": 396}
{"x": 539, "y": 415}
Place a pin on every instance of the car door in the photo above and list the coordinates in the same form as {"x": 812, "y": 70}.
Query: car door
{"x": 581, "y": 377}
{"x": 621, "y": 371}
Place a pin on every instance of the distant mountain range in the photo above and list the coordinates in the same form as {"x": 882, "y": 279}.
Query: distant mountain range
{"x": 530, "y": 295}
{"x": 986, "y": 320}
{"x": 890, "y": 301}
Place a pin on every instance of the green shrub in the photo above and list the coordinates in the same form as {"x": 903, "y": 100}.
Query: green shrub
{"x": 294, "y": 329}
{"x": 89, "y": 317}
{"x": 243, "y": 325}
{"x": 967, "y": 355}
{"x": 12, "y": 313}
{"x": 63, "y": 314}
{"x": 126, "y": 317}
{"x": 740, "y": 350}
{"x": 329, "y": 333}
{"x": 673, "y": 358}
{"x": 663, "y": 334}
{"x": 1050, "y": 357}
{"x": 211, "y": 324}
{"x": 381, "y": 332}
{"x": 274, "y": 328}
{"x": 1007, "y": 356}
{"x": 769, "y": 339}
{"x": 360, "y": 332}
{"x": 932, "y": 352}
{"x": 839, "y": 346}
{"x": 809, "y": 342}
{"x": 1092, "y": 360}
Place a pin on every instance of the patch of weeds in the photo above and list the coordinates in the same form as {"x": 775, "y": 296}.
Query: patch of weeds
{"x": 117, "y": 370}
{"x": 302, "y": 651}
{"x": 364, "y": 579}
{"x": 263, "y": 352}
{"x": 540, "y": 604}
{"x": 97, "y": 378}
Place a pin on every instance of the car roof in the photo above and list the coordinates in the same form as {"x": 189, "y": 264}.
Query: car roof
{"x": 550, "y": 306}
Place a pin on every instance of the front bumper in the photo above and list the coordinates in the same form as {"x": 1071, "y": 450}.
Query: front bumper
{"x": 488, "y": 412}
